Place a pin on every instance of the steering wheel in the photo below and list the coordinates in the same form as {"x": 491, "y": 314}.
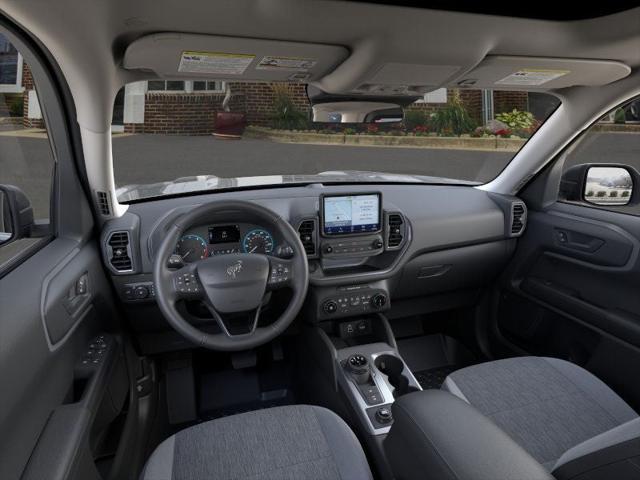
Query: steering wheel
{"x": 231, "y": 284}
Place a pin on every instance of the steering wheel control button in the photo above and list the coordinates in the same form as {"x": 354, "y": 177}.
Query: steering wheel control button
{"x": 279, "y": 275}
{"x": 186, "y": 283}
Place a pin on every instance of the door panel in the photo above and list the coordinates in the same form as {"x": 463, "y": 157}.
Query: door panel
{"x": 39, "y": 374}
{"x": 571, "y": 292}
{"x": 62, "y": 389}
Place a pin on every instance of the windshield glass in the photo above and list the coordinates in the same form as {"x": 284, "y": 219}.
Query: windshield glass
{"x": 172, "y": 137}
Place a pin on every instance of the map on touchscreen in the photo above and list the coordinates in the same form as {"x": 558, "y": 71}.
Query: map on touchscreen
{"x": 351, "y": 214}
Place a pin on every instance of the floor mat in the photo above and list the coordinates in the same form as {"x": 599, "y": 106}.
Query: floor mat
{"x": 286, "y": 399}
{"x": 434, "y": 377}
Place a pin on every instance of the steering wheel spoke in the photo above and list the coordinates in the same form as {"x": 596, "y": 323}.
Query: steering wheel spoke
{"x": 224, "y": 323}
{"x": 280, "y": 273}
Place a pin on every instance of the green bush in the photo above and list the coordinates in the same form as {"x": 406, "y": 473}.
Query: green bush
{"x": 16, "y": 106}
{"x": 625, "y": 193}
{"x": 590, "y": 193}
{"x": 415, "y": 118}
{"x": 516, "y": 120}
{"x": 286, "y": 115}
{"x": 453, "y": 119}
{"x": 619, "y": 116}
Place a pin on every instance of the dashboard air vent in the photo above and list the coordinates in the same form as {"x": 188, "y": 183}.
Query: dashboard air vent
{"x": 119, "y": 255}
{"x": 307, "y": 231}
{"x": 103, "y": 203}
{"x": 396, "y": 230}
{"x": 518, "y": 218}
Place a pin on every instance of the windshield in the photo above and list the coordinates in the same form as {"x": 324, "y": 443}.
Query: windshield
{"x": 173, "y": 137}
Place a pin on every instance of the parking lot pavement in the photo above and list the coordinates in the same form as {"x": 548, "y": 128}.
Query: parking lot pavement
{"x": 26, "y": 161}
{"x": 153, "y": 158}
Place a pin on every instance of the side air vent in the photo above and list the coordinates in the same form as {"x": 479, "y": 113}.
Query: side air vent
{"x": 307, "y": 232}
{"x": 518, "y": 218}
{"x": 396, "y": 230}
{"x": 103, "y": 203}
{"x": 119, "y": 251}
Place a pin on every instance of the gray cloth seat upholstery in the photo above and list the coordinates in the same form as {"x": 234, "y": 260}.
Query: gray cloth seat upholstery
{"x": 294, "y": 442}
{"x": 555, "y": 410}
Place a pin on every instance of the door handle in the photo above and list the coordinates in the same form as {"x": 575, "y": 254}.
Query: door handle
{"x": 577, "y": 241}
{"x": 78, "y": 296}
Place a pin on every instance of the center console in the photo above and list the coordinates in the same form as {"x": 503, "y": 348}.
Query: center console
{"x": 359, "y": 357}
{"x": 372, "y": 376}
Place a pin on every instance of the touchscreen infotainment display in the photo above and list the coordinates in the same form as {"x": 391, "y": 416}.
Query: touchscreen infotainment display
{"x": 351, "y": 214}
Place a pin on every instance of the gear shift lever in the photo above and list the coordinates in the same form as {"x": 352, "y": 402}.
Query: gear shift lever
{"x": 358, "y": 366}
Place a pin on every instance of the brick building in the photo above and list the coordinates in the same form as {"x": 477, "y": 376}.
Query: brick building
{"x": 190, "y": 107}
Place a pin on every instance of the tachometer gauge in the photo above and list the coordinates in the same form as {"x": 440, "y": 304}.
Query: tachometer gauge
{"x": 258, "y": 241}
{"x": 191, "y": 248}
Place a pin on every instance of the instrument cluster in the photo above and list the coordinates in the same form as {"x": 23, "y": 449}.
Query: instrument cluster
{"x": 211, "y": 240}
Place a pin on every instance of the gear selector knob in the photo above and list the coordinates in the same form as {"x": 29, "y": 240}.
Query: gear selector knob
{"x": 358, "y": 366}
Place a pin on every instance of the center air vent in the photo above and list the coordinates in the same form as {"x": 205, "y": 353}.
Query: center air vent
{"x": 307, "y": 232}
{"x": 119, "y": 252}
{"x": 518, "y": 218}
{"x": 395, "y": 236}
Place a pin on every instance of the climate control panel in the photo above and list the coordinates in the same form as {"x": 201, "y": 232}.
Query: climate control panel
{"x": 366, "y": 246}
{"x": 354, "y": 300}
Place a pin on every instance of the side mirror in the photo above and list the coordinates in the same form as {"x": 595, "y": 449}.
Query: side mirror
{"x": 16, "y": 214}
{"x": 604, "y": 185}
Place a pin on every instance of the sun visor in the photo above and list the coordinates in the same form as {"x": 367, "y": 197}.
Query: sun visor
{"x": 535, "y": 73}
{"x": 188, "y": 56}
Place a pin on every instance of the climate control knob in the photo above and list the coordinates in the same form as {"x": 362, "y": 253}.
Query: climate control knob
{"x": 379, "y": 300}
{"x": 330, "y": 307}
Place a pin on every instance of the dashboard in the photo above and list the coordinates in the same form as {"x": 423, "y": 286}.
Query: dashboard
{"x": 398, "y": 249}
{"x": 222, "y": 239}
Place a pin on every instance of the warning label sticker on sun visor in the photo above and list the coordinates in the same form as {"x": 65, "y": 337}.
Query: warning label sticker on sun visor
{"x": 293, "y": 64}
{"x": 215, "y": 63}
{"x": 532, "y": 77}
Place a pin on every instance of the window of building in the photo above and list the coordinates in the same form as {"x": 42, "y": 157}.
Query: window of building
{"x": 185, "y": 86}
{"x": 10, "y": 67}
{"x": 208, "y": 86}
{"x": 166, "y": 86}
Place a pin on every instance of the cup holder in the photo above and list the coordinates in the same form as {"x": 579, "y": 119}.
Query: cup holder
{"x": 393, "y": 367}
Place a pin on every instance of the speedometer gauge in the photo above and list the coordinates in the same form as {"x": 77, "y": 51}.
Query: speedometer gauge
{"x": 258, "y": 241}
{"x": 191, "y": 248}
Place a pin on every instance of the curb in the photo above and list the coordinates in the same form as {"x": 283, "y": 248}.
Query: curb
{"x": 451, "y": 143}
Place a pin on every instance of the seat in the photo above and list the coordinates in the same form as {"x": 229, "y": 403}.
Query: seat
{"x": 295, "y": 442}
{"x": 558, "y": 412}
